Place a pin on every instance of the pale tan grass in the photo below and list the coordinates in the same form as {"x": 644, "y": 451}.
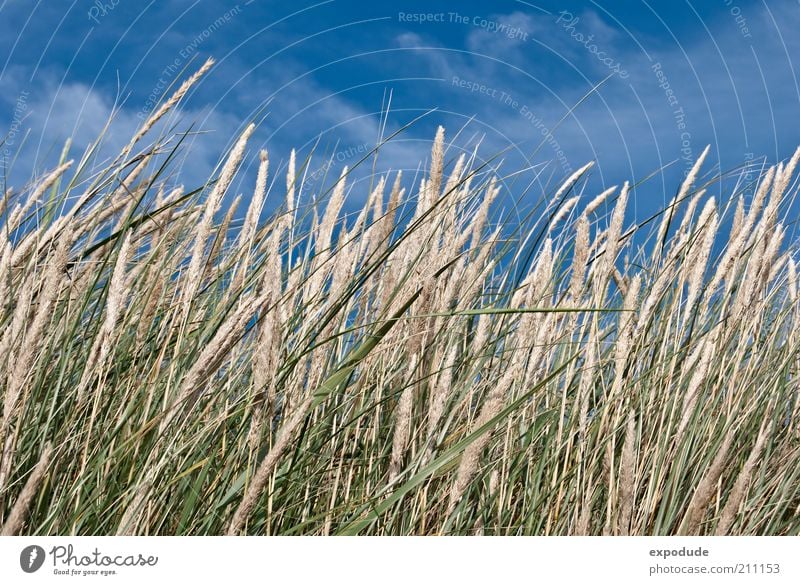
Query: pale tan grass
{"x": 580, "y": 258}
{"x": 291, "y": 185}
{"x": 372, "y": 234}
{"x": 595, "y": 203}
{"x": 331, "y": 216}
{"x": 707, "y": 224}
{"x": 194, "y": 270}
{"x": 434, "y": 183}
{"x": 482, "y": 215}
{"x": 15, "y": 522}
{"x": 572, "y": 179}
{"x": 5, "y": 274}
{"x": 627, "y": 475}
{"x": 739, "y": 490}
{"x": 705, "y": 351}
{"x": 438, "y": 398}
{"x": 666, "y": 219}
{"x": 167, "y": 106}
{"x": 470, "y": 459}
{"x": 738, "y": 219}
{"x": 691, "y": 176}
{"x": 686, "y": 221}
{"x": 563, "y": 212}
{"x": 217, "y": 256}
{"x": 23, "y": 300}
{"x": 704, "y": 492}
{"x": 320, "y": 268}
{"x": 212, "y": 355}
{"x": 612, "y": 246}
{"x": 737, "y": 244}
{"x": 192, "y": 384}
{"x": 25, "y": 357}
{"x": 266, "y": 466}
{"x": 627, "y": 328}
{"x": 532, "y": 288}
{"x": 16, "y": 217}
{"x": 402, "y": 425}
{"x": 265, "y": 359}
{"x": 456, "y": 175}
{"x": 115, "y": 302}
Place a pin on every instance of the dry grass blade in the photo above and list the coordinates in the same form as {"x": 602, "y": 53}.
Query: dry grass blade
{"x": 422, "y": 365}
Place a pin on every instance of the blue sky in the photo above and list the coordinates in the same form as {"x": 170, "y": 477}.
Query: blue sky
{"x": 675, "y": 76}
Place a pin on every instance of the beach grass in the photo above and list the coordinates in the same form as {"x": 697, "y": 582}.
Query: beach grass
{"x": 419, "y": 365}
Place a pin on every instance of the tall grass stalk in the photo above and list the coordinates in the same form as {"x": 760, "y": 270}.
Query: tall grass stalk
{"x": 422, "y": 366}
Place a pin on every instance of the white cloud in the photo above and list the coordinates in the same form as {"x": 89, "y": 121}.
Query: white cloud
{"x": 57, "y": 111}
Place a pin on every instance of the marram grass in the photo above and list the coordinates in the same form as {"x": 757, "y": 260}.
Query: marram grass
{"x": 420, "y": 367}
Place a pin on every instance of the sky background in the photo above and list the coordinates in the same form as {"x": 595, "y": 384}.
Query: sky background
{"x": 508, "y": 75}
